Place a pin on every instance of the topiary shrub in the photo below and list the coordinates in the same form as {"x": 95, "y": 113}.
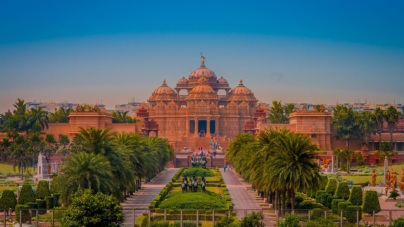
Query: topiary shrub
{"x": 324, "y": 199}
{"x": 55, "y": 186}
{"x": 308, "y": 205}
{"x": 25, "y": 213}
{"x": 316, "y": 213}
{"x": 7, "y": 200}
{"x": 141, "y": 221}
{"x": 323, "y": 182}
{"x": 355, "y": 198}
{"x": 329, "y": 201}
{"x": 371, "y": 202}
{"x": 343, "y": 206}
{"x": 26, "y": 195}
{"x": 318, "y": 196}
{"x": 298, "y": 200}
{"x": 399, "y": 222}
{"x": 33, "y": 206}
{"x": 41, "y": 206}
{"x": 342, "y": 190}
{"x": 56, "y": 197}
{"x": 351, "y": 213}
{"x": 334, "y": 205}
{"x": 50, "y": 202}
{"x": 42, "y": 190}
{"x": 331, "y": 186}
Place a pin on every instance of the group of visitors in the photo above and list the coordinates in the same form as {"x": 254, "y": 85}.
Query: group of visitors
{"x": 228, "y": 168}
{"x": 202, "y": 133}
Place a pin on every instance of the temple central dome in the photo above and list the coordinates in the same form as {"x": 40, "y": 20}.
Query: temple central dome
{"x": 208, "y": 74}
{"x": 203, "y": 91}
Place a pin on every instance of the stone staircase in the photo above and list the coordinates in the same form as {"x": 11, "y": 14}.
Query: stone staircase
{"x": 267, "y": 211}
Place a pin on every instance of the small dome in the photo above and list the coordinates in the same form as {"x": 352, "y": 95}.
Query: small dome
{"x": 202, "y": 72}
{"x": 242, "y": 93}
{"x": 222, "y": 81}
{"x": 163, "y": 93}
{"x": 203, "y": 91}
{"x": 183, "y": 80}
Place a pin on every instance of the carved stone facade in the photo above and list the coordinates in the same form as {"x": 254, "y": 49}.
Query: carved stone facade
{"x": 201, "y": 109}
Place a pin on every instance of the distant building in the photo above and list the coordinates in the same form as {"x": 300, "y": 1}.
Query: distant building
{"x": 130, "y": 107}
{"x": 52, "y": 107}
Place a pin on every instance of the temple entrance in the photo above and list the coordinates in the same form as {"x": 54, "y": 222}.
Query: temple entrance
{"x": 212, "y": 127}
{"x": 191, "y": 126}
{"x": 202, "y": 126}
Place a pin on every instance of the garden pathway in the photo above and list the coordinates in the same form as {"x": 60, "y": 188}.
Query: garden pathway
{"x": 243, "y": 201}
{"x": 143, "y": 197}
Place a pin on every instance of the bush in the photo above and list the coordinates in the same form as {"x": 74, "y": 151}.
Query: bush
{"x": 342, "y": 190}
{"x": 371, "y": 202}
{"x": 25, "y": 213}
{"x": 309, "y": 205}
{"x": 329, "y": 201}
{"x": 298, "y": 200}
{"x": 41, "y": 205}
{"x": 399, "y": 222}
{"x": 87, "y": 209}
{"x": 159, "y": 224}
{"x": 343, "y": 206}
{"x": 26, "y": 195}
{"x": 55, "y": 186}
{"x": 50, "y": 202}
{"x": 291, "y": 220}
{"x": 355, "y": 198}
{"x": 141, "y": 221}
{"x": 42, "y": 190}
{"x": 253, "y": 219}
{"x": 321, "y": 222}
{"x": 318, "y": 196}
{"x": 56, "y": 197}
{"x": 334, "y": 205}
{"x": 198, "y": 171}
{"x": 226, "y": 222}
{"x": 195, "y": 200}
{"x": 323, "y": 182}
{"x": 331, "y": 186}
{"x": 33, "y": 206}
{"x": 8, "y": 200}
{"x": 351, "y": 213}
{"x": 186, "y": 224}
{"x": 324, "y": 199}
{"x": 316, "y": 213}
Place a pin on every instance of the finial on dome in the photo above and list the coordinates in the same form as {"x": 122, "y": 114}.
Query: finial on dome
{"x": 202, "y": 62}
{"x": 241, "y": 80}
{"x": 164, "y": 80}
{"x": 202, "y": 78}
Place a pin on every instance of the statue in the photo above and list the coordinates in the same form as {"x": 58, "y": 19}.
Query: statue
{"x": 401, "y": 183}
{"x": 184, "y": 184}
{"x": 393, "y": 179}
{"x": 203, "y": 183}
{"x": 49, "y": 168}
{"x": 387, "y": 181}
{"x": 198, "y": 161}
{"x": 374, "y": 175}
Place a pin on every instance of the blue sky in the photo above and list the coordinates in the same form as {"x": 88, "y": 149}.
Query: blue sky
{"x": 294, "y": 51}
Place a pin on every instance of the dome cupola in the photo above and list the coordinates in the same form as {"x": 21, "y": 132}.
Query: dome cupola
{"x": 163, "y": 93}
{"x": 241, "y": 93}
{"x": 202, "y": 71}
{"x": 203, "y": 91}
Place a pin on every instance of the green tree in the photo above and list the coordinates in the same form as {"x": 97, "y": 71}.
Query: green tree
{"x": 279, "y": 114}
{"x": 378, "y": 119}
{"x": 93, "y": 210}
{"x": 39, "y": 116}
{"x": 391, "y": 117}
{"x": 64, "y": 141}
{"x": 122, "y": 117}
{"x": 346, "y": 123}
{"x": 20, "y": 155}
{"x": 367, "y": 125}
{"x": 385, "y": 151}
{"x": 60, "y": 116}
{"x": 51, "y": 145}
{"x": 6, "y": 148}
{"x": 87, "y": 171}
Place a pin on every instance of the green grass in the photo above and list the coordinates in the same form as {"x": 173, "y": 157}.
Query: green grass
{"x": 193, "y": 200}
{"x": 198, "y": 171}
{"x": 364, "y": 179}
{"x": 5, "y": 168}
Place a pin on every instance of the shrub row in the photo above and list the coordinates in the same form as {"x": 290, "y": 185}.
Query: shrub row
{"x": 177, "y": 174}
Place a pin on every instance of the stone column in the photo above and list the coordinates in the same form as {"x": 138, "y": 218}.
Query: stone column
{"x": 332, "y": 164}
{"x": 386, "y": 167}
{"x": 187, "y": 126}
{"x": 217, "y": 127}
{"x": 196, "y": 133}
{"x": 208, "y": 127}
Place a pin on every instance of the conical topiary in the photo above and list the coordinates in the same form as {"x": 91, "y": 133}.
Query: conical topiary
{"x": 26, "y": 195}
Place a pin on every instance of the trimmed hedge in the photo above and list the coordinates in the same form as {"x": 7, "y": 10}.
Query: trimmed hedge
{"x": 25, "y": 213}
{"x": 334, "y": 205}
{"x": 56, "y": 197}
{"x": 343, "y": 206}
{"x": 342, "y": 190}
{"x": 41, "y": 205}
{"x": 351, "y": 213}
{"x": 329, "y": 201}
{"x": 177, "y": 174}
{"x": 323, "y": 182}
{"x": 316, "y": 213}
{"x": 318, "y": 196}
{"x": 50, "y": 202}
{"x": 141, "y": 221}
{"x": 55, "y": 186}
{"x": 331, "y": 186}
{"x": 309, "y": 205}
{"x": 355, "y": 198}
{"x": 33, "y": 206}
{"x": 7, "y": 200}
{"x": 26, "y": 195}
{"x": 42, "y": 190}
{"x": 324, "y": 198}
{"x": 371, "y": 202}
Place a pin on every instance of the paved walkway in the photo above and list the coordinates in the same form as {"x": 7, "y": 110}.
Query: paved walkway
{"x": 243, "y": 202}
{"x": 143, "y": 197}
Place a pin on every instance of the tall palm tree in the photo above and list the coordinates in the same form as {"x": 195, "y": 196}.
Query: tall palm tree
{"x": 94, "y": 140}
{"x": 87, "y": 170}
{"x": 347, "y": 155}
{"x": 378, "y": 119}
{"x": 20, "y": 107}
{"x": 64, "y": 141}
{"x": 39, "y": 116}
{"x": 20, "y": 155}
{"x": 52, "y": 145}
{"x": 367, "y": 125}
{"x": 391, "y": 116}
{"x": 5, "y": 144}
{"x": 345, "y": 121}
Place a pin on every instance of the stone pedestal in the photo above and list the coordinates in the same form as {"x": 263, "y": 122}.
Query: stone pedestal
{"x": 42, "y": 168}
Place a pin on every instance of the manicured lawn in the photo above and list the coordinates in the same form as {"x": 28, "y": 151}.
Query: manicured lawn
{"x": 192, "y": 200}
{"x": 204, "y": 223}
{"x": 363, "y": 179}
{"x": 212, "y": 189}
{"x": 5, "y": 168}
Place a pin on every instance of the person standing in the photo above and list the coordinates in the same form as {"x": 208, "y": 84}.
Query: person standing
{"x": 224, "y": 167}
{"x": 10, "y": 214}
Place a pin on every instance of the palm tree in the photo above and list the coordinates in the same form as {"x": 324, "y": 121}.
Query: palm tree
{"x": 87, "y": 170}
{"x": 378, "y": 119}
{"x": 367, "y": 125}
{"x": 20, "y": 107}
{"x": 60, "y": 116}
{"x": 339, "y": 154}
{"x": 39, "y": 116}
{"x": 51, "y": 148}
{"x": 5, "y": 144}
{"x": 94, "y": 140}
{"x": 391, "y": 116}
{"x": 236, "y": 144}
{"x": 20, "y": 155}
{"x": 64, "y": 141}
{"x": 348, "y": 155}
{"x": 385, "y": 151}
{"x": 345, "y": 121}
